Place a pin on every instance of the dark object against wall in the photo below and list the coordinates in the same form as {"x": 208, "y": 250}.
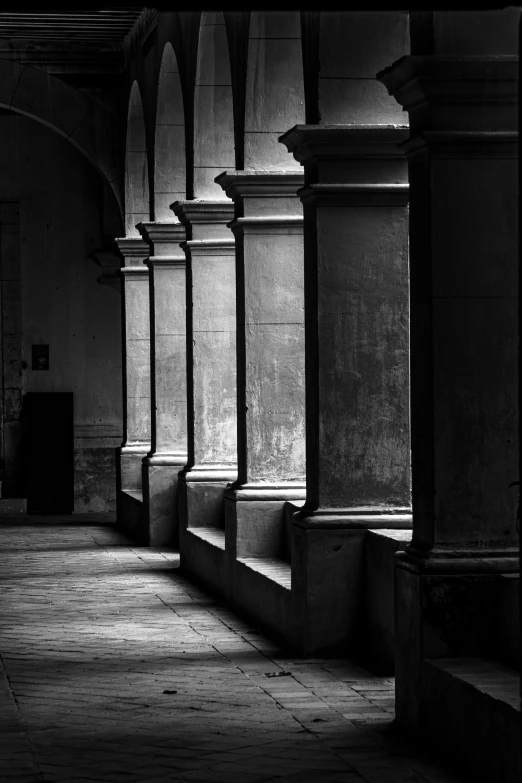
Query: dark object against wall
{"x": 40, "y": 357}
{"x": 50, "y": 452}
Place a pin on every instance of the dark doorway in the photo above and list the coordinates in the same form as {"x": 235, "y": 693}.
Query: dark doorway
{"x": 50, "y": 452}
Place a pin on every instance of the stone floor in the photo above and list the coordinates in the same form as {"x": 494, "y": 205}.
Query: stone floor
{"x": 116, "y": 668}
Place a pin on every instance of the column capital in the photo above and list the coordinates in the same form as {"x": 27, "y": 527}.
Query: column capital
{"x": 164, "y": 239}
{"x": 205, "y": 220}
{"x": 264, "y": 198}
{"x": 133, "y": 250}
{"x": 309, "y": 143}
{"x": 168, "y": 232}
{"x": 349, "y": 153}
{"x": 456, "y": 93}
{"x": 202, "y": 211}
{"x": 272, "y": 183}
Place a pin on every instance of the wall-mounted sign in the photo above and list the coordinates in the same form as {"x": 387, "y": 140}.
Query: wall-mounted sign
{"x": 40, "y": 356}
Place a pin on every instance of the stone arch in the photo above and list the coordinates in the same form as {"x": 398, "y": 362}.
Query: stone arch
{"x": 274, "y": 87}
{"x": 213, "y": 109}
{"x": 169, "y": 145}
{"x": 69, "y": 112}
{"x": 137, "y": 201}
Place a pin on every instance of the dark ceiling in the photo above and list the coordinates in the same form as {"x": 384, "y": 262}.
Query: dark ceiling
{"x": 86, "y": 26}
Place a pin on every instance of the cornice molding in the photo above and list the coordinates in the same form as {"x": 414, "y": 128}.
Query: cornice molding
{"x": 167, "y": 261}
{"x": 267, "y": 224}
{"x": 167, "y": 459}
{"x": 464, "y": 144}
{"x": 201, "y": 211}
{"x": 357, "y": 194}
{"x": 201, "y": 472}
{"x": 162, "y": 231}
{"x": 209, "y": 247}
{"x": 311, "y": 143}
{"x": 273, "y": 183}
{"x": 132, "y": 250}
{"x": 164, "y": 239}
{"x": 456, "y": 93}
{"x": 478, "y": 76}
{"x": 134, "y": 272}
{"x": 278, "y": 490}
{"x": 459, "y": 559}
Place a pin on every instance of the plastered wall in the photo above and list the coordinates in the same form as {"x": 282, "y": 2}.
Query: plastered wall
{"x": 61, "y": 224}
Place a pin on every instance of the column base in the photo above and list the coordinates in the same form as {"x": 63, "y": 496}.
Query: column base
{"x": 260, "y": 571}
{"x": 130, "y": 461}
{"x": 446, "y": 605}
{"x": 254, "y": 517}
{"x": 328, "y": 574}
{"x": 129, "y": 493}
{"x": 160, "y": 488}
{"x": 452, "y": 681}
{"x": 202, "y": 525}
{"x": 201, "y": 495}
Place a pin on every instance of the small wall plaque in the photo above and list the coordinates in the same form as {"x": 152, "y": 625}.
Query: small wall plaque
{"x": 40, "y": 356}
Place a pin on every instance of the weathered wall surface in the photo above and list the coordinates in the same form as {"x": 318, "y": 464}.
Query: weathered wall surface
{"x": 61, "y": 217}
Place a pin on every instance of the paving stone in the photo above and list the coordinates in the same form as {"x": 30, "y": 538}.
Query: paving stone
{"x": 94, "y": 629}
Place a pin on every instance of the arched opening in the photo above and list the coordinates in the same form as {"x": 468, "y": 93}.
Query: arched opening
{"x": 274, "y": 88}
{"x": 213, "y": 110}
{"x": 86, "y": 124}
{"x": 169, "y": 147}
{"x": 137, "y": 205}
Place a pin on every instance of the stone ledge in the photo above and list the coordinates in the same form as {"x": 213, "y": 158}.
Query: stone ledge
{"x": 272, "y": 568}
{"x": 363, "y": 518}
{"x": 473, "y": 711}
{"x": 506, "y": 634}
{"x": 130, "y": 520}
{"x": 210, "y": 535}
{"x": 495, "y": 680}
{"x": 203, "y": 556}
{"x": 400, "y": 536}
{"x": 135, "y": 494}
{"x": 261, "y": 588}
{"x": 379, "y": 592}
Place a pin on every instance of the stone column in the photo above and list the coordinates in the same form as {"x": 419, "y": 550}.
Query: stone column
{"x": 462, "y": 156}
{"x": 356, "y": 303}
{"x": 136, "y": 381}
{"x": 211, "y": 363}
{"x": 168, "y": 454}
{"x": 270, "y": 323}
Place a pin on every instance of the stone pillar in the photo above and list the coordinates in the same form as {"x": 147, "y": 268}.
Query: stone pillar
{"x": 462, "y": 156}
{"x": 270, "y": 333}
{"x": 136, "y": 381}
{"x": 168, "y": 454}
{"x": 356, "y": 303}
{"x": 211, "y": 363}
